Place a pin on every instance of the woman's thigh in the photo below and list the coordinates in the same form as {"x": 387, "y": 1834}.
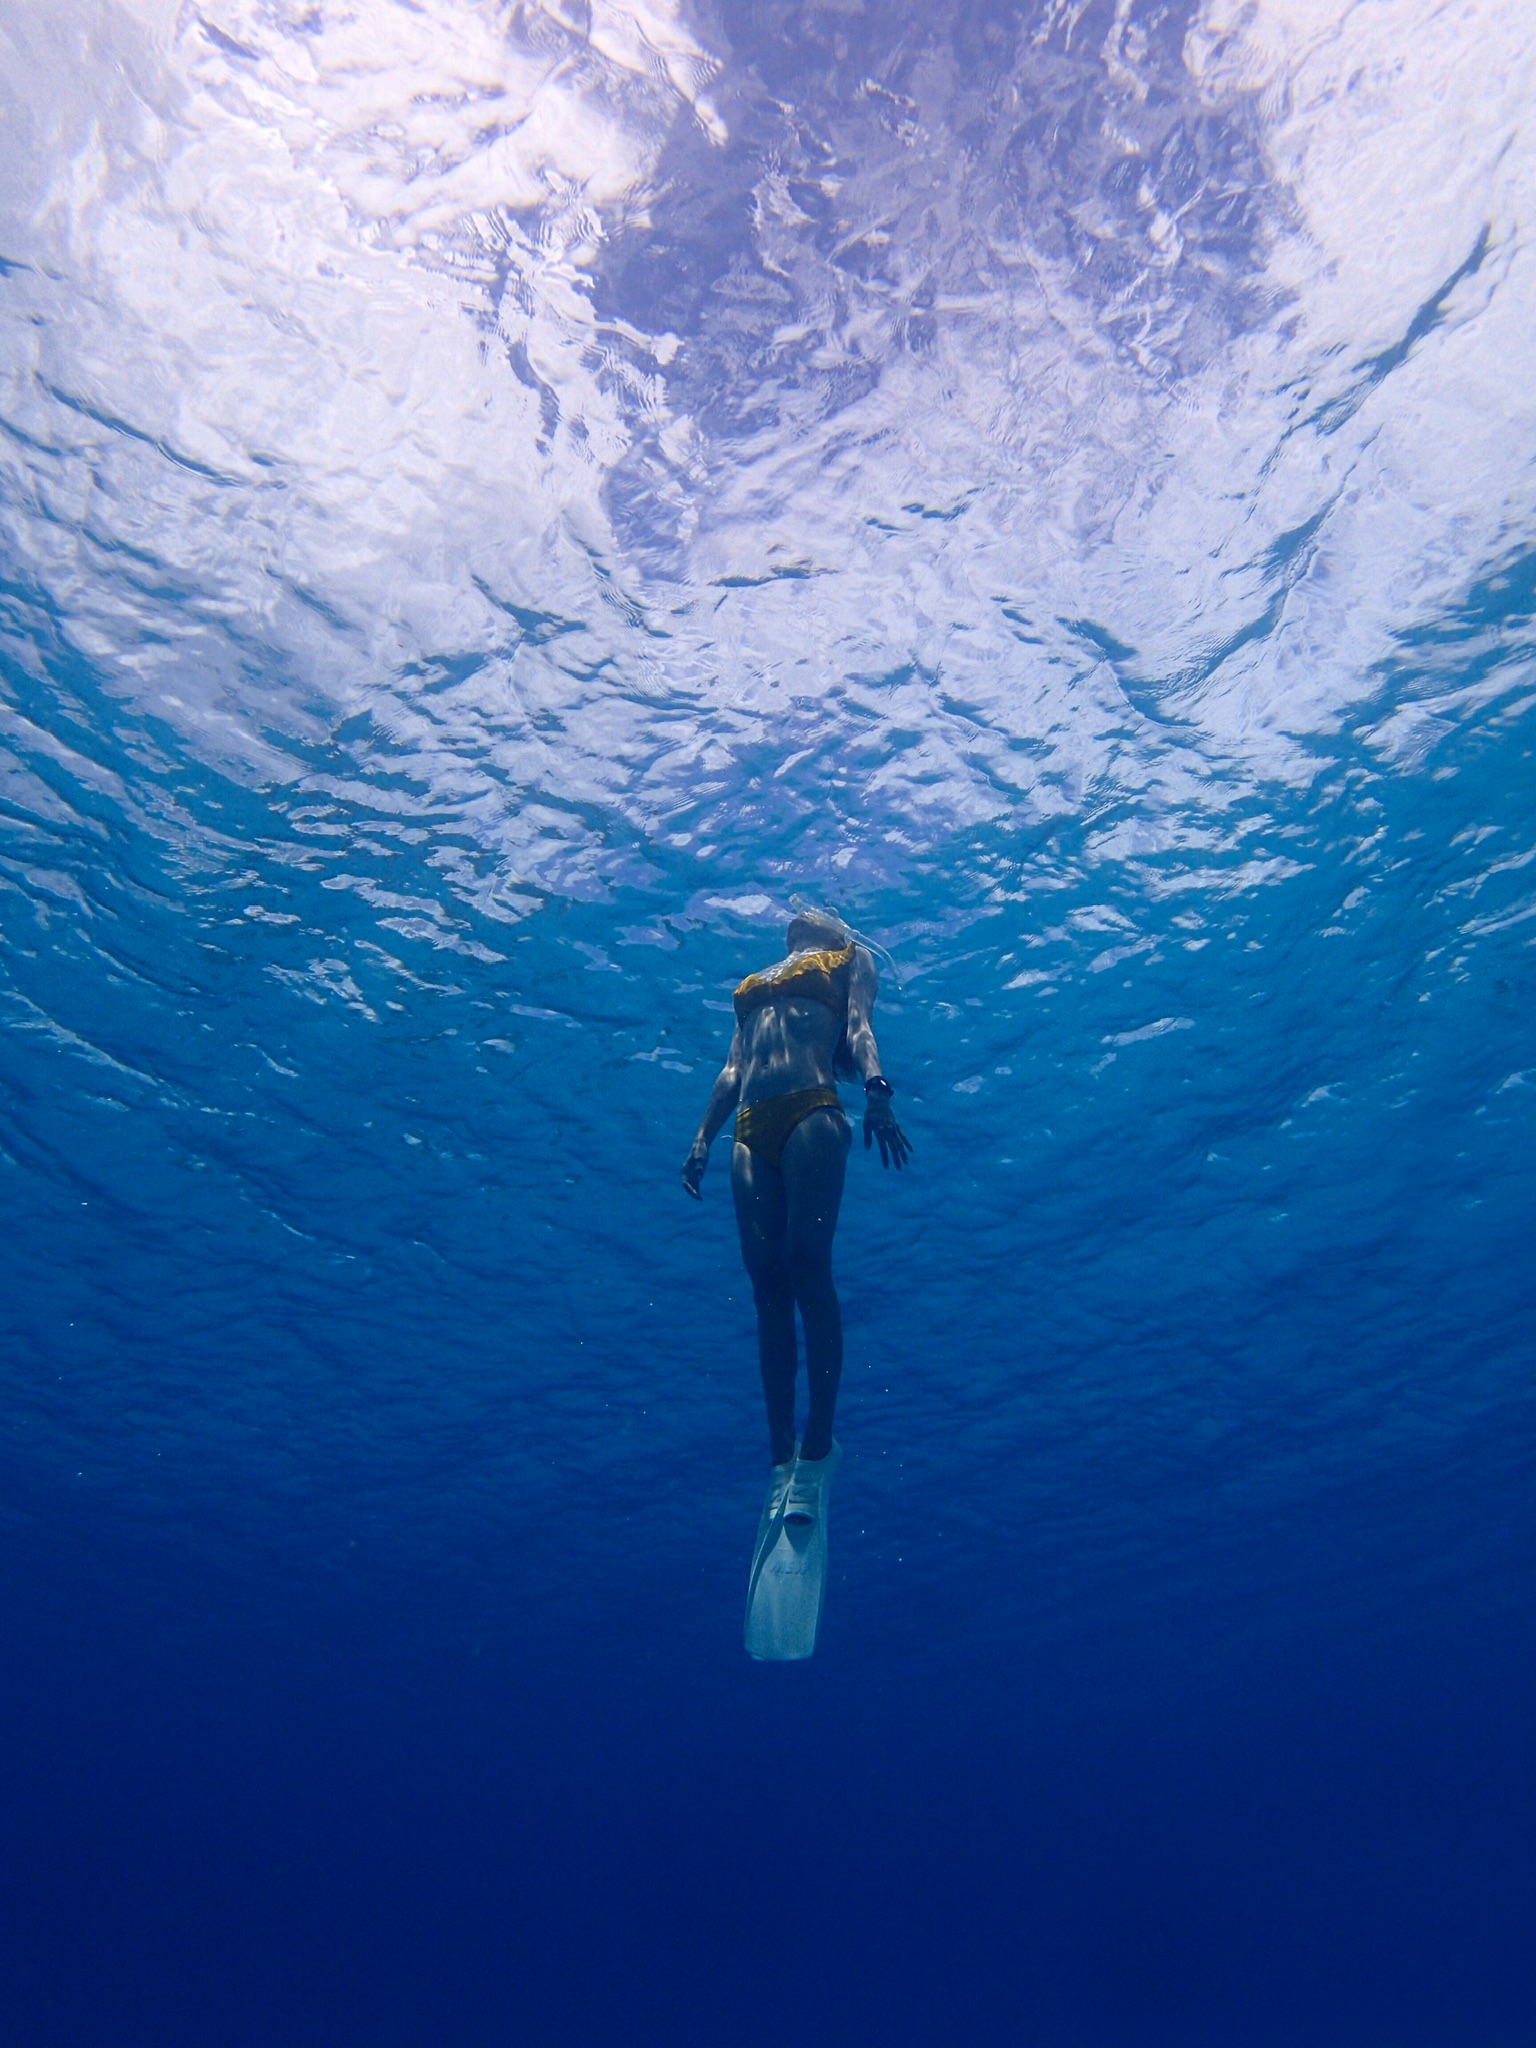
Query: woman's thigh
{"x": 758, "y": 1192}
{"x": 813, "y": 1168}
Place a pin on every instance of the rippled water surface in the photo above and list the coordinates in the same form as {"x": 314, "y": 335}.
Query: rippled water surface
{"x": 496, "y": 500}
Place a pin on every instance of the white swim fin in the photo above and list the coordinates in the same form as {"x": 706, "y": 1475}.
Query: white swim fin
{"x": 789, "y": 1564}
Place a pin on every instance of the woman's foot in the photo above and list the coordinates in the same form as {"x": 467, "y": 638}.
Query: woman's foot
{"x": 779, "y": 1484}
{"x": 803, "y": 1502}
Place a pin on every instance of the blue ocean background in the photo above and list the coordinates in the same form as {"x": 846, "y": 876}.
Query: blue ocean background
{"x": 499, "y": 498}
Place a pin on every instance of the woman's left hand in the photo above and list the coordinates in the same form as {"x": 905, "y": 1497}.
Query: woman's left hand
{"x": 880, "y": 1126}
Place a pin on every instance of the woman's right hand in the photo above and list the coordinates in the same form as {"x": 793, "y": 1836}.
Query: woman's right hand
{"x": 693, "y": 1168}
{"x": 880, "y": 1126}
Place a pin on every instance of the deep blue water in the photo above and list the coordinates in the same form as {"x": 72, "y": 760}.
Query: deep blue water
{"x": 498, "y": 499}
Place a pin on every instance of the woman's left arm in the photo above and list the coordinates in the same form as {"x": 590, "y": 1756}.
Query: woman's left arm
{"x": 879, "y": 1118}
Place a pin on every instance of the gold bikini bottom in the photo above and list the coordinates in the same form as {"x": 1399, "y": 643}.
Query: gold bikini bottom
{"x": 765, "y": 1126}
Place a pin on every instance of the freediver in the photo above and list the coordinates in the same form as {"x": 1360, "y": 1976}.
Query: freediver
{"x": 799, "y": 1025}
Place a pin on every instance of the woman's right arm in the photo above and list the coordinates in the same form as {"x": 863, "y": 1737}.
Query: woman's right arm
{"x": 722, "y": 1100}
{"x": 880, "y": 1123}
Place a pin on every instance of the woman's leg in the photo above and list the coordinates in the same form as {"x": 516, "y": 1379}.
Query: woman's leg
{"x": 758, "y": 1190}
{"x": 812, "y": 1168}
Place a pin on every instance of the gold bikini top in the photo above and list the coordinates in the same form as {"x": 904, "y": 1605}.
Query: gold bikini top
{"x": 823, "y": 977}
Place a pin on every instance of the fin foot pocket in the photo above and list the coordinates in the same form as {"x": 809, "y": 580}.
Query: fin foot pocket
{"x": 789, "y": 1563}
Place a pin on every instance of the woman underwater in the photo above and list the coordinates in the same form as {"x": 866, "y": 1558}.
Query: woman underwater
{"x": 798, "y": 1025}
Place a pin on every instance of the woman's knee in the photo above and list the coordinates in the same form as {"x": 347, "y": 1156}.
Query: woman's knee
{"x": 771, "y": 1286}
{"x": 810, "y": 1275}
